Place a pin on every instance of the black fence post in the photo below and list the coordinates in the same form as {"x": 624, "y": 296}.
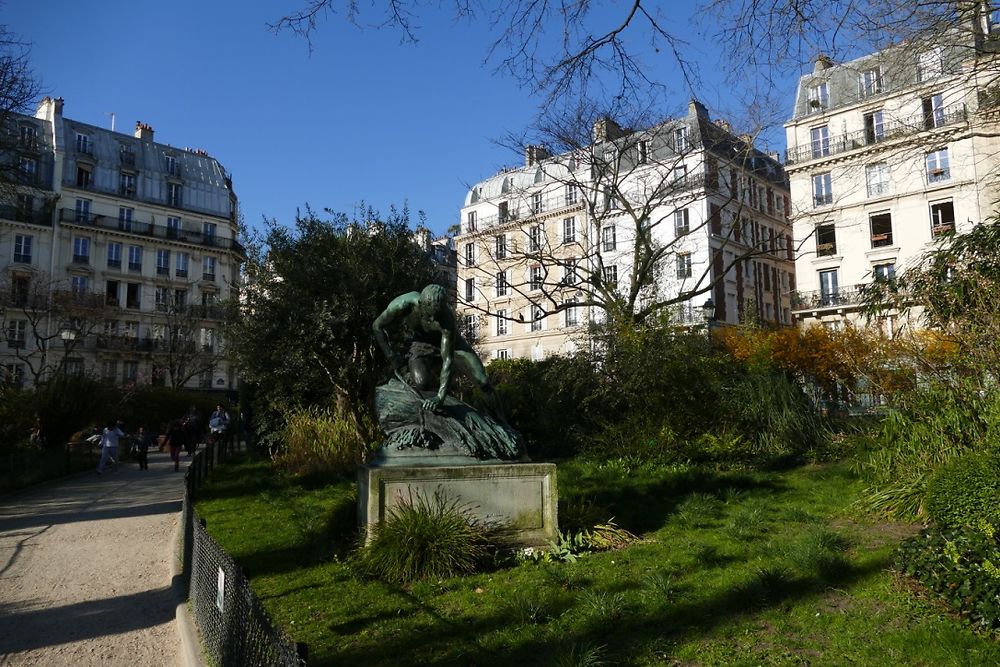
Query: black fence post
{"x": 302, "y": 651}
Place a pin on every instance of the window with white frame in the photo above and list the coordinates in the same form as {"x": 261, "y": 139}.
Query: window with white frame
{"x": 877, "y": 178}
{"x": 208, "y": 264}
{"x": 570, "y": 195}
{"x": 500, "y": 246}
{"x": 681, "y": 139}
{"x": 182, "y": 265}
{"x": 502, "y": 322}
{"x": 819, "y": 96}
{"x": 826, "y": 240}
{"x": 535, "y": 277}
{"x": 874, "y": 127}
{"x": 83, "y": 144}
{"x": 81, "y": 250}
{"x": 17, "y": 334}
{"x": 933, "y": 108}
{"x": 501, "y": 283}
{"x": 938, "y": 166}
{"x": 14, "y": 375}
{"x": 610, "y": 274}
{"x": 819, "y": 139}
{"x": 82, "y": 210}
{"x": 502, "y": 354}
{"x": 162, "y": 262}
{"x": 470, "y": 254}
{"x": 884, "y": 272}
{"x": 135, "y": 258}
{"x": 683, "y": 266}
{"x": 642, "y": 152}
{"x": 942, "y": 218}
{"x": 569, "y": 272}
{"x": 870, "y": 82}
{"x": 126, "y": 184}
{"x": 28, "y": 167}
{"x": 133, "y": 296}
{"x": 929, "y": 64}
{"x": 470, "y": 289}
{"x": 125, "y": 218}
{"x": 130, "y": 371}
{"x": 208, "y": 230}
{"x": 114, "y": 255}
{"x": 470, "y": 328}
{"x": 174, "y": 191}
{"x": 679, "y": 175}
{"x": 173, "y": 227}
{"x": 822, "y": 189}
{"x": 79, "y": 285}
{"x": 470, "y": 221}
{"x": 881, "y": 229}
{"x": 161, "y": 299}
{"x": 569, "y": 230}
{"x": 537, "y": 203}
{"x": 608, "y": 238}
{"x": 536, "y": 318}
{"x": 535, "y": 238}
{"x": 682, "y": 222}
{"x": 180, "y": 298}
{"x": 22, "y": 248}
{"x": 572, "y": 318}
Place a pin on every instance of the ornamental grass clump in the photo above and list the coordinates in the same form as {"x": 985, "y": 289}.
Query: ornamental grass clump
{"x": 430, "y": 538}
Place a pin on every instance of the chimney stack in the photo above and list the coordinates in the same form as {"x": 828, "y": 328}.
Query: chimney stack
{"x": 606, "y": 129}
{"x": 49, "y": 109}
{"x": 143, "y": 131}
{"x": 534, "y": 154}
{"x": 823, "y": 62}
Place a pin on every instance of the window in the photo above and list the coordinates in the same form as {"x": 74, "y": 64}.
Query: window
{"x": 28, "y": 167}
{"x": 537, "y": 204}
{"x": 180, "y": 298}
{"x": 828, "y": 287}
{"x": 208, "y": 232}
{"x": 536, "y": 234}
{"x": 933, "y": 107}
{"x": 22, "y": 248}
{"x": 132, "y": 296}
{"x": 683, "y": 266}
{"x": 942, "y": 218}
{"x": 135, "y": 258}
{"x": 870, "y": 82}
{"x": 819, "y": 138}
{"x": 208, "y": 268}
{"x": 114, "y": 255}
{"x": 570, "y": 195}
{"x": 929, "y": 65}
{"x": 125, "y": 219}
{"x": 81, "y": 250}
{"x": 501, "y": 283}
{"x": 182, "y": 265}
{"x": 502, "y": 354}
{"x": 874, "y": 127}
{"x": 130, "y": 371}
{"x": 819, "y": 97}
{"x": 109, "y": 370}
{"x": 163, "y": 262}
{"x": 79, "y": 285}
{"x": 173, "y": 227}
{"x": 73, "y": 366}
{"x": 679, "y": 175}
{"x": 29, "y": 136}
{"x": 24, "y": 207}
{"x": 682, "y": 223}
{"x": 761, "y": 198}
{"x": 501, "y": 322}
{"x": 111, "y": 293}
{"x": 572, "y": 317}
{"x": 503, "y": 212}
{"x": 681, "y": 139}
{"x": 470, "y": 221}
{"x": 642, "y": 148}
{"x": 535, "y": 277}
{"x": 470, "y": 328}
{"x": 126, "y": 184}
{"x": 826, "y": 240}
{"x": 569, "y": 272}
{"x": 608, "y": 238}
{"x": 611, "y": 276}
{"x": 610, "y": 202}
{"x": 470, "y": 289}
{"x": 162, "y": 299}
{"x": 83, "y": 144}
{"x": 822, "y": 189}
{"x": 881, "y": 228}
{"x": 884, "y": 272}
{"x": 126, "y": 154}
{"x": 82, "y": 210}
{"x": 500, "y": 246}
{"x": 208, "y": 339}
{"x": 17, "y": 332}
{"x": 877, "y": 177}
{"x": 83, "y": 176}
{"x": 536, "y": 318}
{"x": 174, "y": 194}
{"x": 470, "y": 254}
{"x": 173, "y": 168}
{"x": 937, "y": 166}
{"x": 14, "y": 375}
{"x": 569, "y": 230}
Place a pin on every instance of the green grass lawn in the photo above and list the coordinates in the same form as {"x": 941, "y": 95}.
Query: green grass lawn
{"x": 733, "y": 569}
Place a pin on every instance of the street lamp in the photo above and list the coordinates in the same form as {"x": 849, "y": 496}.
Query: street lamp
{"x": 708, "y": 314}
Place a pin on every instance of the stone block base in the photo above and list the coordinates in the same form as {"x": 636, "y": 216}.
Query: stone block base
{"x": 521, "y": 495}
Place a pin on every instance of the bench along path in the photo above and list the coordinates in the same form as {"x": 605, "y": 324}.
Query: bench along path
{"x": 85, "y": 569}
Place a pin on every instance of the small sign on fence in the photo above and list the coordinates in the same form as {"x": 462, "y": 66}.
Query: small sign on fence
{"x": 220, "y": 588}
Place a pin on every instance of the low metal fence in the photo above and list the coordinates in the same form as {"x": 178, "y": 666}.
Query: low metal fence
{"x": 234, "y": 627}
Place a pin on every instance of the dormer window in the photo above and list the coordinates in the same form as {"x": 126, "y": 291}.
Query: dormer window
{"x": 83, "y": 144}
{"x": 819, "y": 97}
{"x": 870, "y": 82}
{"x": 681, "y": 139}
{"x": 929, "y": 65}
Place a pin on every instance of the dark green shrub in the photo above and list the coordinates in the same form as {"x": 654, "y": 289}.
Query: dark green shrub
{"x": 966, "y": 491}
{"x": 961, "y": 566}
{"x": 425, "y": 538}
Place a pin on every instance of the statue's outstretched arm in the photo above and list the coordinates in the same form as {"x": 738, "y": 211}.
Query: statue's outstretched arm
{"x": 397, "y": 309}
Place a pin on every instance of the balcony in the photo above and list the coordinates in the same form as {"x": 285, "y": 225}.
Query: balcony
{"x": 819, "y": 299}
{"x": 22, "y": 214}
{"x": 147, "y": 229}
{"x": 115, "y": 264}
{"x": 891, "y": 130}
{"x": 81, "y": 259}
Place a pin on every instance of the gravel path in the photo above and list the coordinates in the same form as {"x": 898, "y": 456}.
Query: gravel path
{"x": 85, "y": 569}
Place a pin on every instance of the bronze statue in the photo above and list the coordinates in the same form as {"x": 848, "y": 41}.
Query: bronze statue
{"x": 415, "y": 409}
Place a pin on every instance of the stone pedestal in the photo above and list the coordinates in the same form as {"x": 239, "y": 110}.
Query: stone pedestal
{"x": 521, "y": 495}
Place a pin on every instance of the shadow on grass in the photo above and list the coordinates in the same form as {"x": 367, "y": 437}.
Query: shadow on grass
{"x": 621, "y": 629}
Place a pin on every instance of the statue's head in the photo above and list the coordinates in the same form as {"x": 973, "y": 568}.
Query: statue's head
{"x": 433, "y": 300}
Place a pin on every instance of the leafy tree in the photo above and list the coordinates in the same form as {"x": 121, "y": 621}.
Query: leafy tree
{"x": 311, "y": 293}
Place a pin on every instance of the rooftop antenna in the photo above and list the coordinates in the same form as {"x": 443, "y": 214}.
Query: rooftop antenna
{"x": 112, "y": 114}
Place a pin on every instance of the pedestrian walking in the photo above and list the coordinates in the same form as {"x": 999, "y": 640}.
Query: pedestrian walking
{"x": 109, "y": 445}
{"x": 192, "y": 431}
{"x": 143, "y": 441}
{"x": 218, "y": 424}
{"x": 176, "y": 440}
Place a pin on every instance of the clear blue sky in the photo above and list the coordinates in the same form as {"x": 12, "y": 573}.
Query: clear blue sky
{"x": 363, "y": 117}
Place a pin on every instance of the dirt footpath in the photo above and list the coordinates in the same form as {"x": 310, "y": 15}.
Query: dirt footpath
{"x": 85, "y": 569}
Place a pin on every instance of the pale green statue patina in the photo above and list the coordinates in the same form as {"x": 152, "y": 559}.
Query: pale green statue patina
{"x": 424, "y": 423}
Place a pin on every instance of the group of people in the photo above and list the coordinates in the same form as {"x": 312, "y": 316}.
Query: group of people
{"x": 181, "y": 434}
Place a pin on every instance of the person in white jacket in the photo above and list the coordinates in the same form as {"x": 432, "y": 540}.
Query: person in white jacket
{"x": 109, "y": 445}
